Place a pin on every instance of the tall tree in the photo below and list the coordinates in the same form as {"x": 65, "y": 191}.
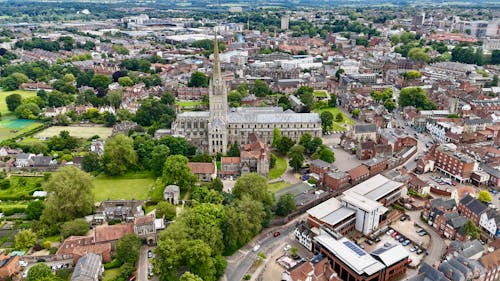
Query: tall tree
{"x": 119, "y": 155}
{"x": 198, "y": 79}
{"x": 166, "y": 209}
{"x": 285, "y": 205}
{"x": 254, "y": 186}
{"x": 39, "y": 272}
{"x": 128, "y": 248}
{"x": 188, "y": 276}
{"x": 25, "y": 239}
{"x": 326, "y": 120}
{"x": 176, "y": 171}
{"x": 296, "y": 155}
{"x": 13, "y": 101}
{"x": 260, "y": 88}
{"x": 76, "y": 227}
{"x": 158, "y": 156}
{"x": 327, "y": 155}
{"x": 70, "y": 195}
{"x": 484, "y": 196}
{"x": 284, "y": 145}
{"x": 276, "y": 137}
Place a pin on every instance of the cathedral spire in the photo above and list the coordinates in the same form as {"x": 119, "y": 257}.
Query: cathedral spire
{"x": 217, "y": 71}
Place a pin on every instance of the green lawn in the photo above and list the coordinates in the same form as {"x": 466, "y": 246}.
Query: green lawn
{"x": 20, "y": 186}
{"x": 189, "y": 103}
{"x": 279, "y": 168}
{"x": 337, "y": 126}
{"x": 273, "y": 187}
{"x": 4, "y": 94}
{"x": 133, "y": 186}
{"x": 76, "y": 131}
{"x": 320, "y": 94}
{"x": 110, "y": 274}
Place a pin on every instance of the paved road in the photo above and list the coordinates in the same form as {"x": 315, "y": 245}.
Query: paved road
{"x": 142, "y": 266}
{"x": 437, "y": 246}
{"x": 239, "y": 263}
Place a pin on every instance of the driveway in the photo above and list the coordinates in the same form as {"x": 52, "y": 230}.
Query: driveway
{"x": 437, "y": 246}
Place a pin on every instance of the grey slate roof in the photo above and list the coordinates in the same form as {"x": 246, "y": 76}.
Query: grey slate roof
{"x": 446, "y": 204}
{"x": 269, "y": 118}
{"x": 320, "y": 163}
{"x": 365, "y": 128}
{"x": 473, "y": 205}
{"x": 431, "y": 273}
{"x": 87, "y": 267}
{"x": 455, "y": 275}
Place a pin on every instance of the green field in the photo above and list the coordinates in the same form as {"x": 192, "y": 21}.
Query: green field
{"x": 188, "y": 103}
{"x": 75, "y": 131}
{"x": 273, "y": 187}
{"x": 21, "y": 186}
{"x": 279, "y": 168}
{"x": 133, "y": 186}
{"x": 337, "y": 126}
{"x": 4, "y": 94}
{"x": 320, "y": 94}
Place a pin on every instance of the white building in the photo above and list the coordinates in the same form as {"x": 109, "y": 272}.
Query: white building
{"x": 368, "y": 212}
{"x": 490, "y": 220}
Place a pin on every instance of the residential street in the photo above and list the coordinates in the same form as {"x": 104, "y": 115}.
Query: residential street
{"x": 142, "y": 264}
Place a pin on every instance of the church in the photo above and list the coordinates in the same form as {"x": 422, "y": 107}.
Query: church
{"x": 219, "y": 127}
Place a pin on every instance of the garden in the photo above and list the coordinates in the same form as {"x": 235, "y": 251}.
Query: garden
{"x": 10, "y": 126}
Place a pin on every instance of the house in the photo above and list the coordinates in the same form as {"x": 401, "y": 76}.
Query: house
{"x": 491, "y": 262}
{"x": 490, "y": 221}
{"x": 376, "y": 165}
{"x": 172, "y": 194}
{"x": 304, "y": 235}
{"x": 9, "y": 266}
{"x": 336, "y": 180}
{"x": 43, "y": 161}
{"x": 103, "y": 250}
{"x": 254, "y": 158}
{"x": 319, "y": 167}
{"x": 450, "y": 225}
{"x": 470, "y": 249}
{"x": 428, "y": 273}
{"x": 88, "y": 268}
{"x": 144, "y": 228}
{"x": 364, "y": 132}
{"x": 111, "y": 233}
{"x": 311, "y": 271}
{"x": 230, "y": 166}
{"x": 471, "y": 208}
{"x": 24, "y": 160}
{"x": 123, "y": 210}
{"x": 67, "y": 247}
{"x": 97, "y": 147}
{"x": 358, "y": 174}
{"x": 206, "y": 172}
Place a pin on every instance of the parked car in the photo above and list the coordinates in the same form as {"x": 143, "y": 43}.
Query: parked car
{"x": 402, "y": 239}
{"x": 257, "y": 247}
{"x": 389, "y": 232}
{"x": 369, "y": 242}
{"x": 418, "y": 230}
{"x": 150, "y": 254}
{"x": 419, "y": 251}
{"x": 397, "y": 237}
{"x": 422, "y": 233}
{"x": 406, "y": 243}
{"x": 287, "y": 247}
{"x": 276, "y": 234}
{"x": 394, "y": 234}
{"x": 413, "y": 249}
{"x": 403, "y": 218}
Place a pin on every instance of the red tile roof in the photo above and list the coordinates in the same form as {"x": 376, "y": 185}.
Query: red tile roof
{"x": 107, "y": 233}
{"x": 358, "y": 172}
{"x": 230, "y": 160}
{"x": 144, "y": 219}
{"x": 202, "y": 168}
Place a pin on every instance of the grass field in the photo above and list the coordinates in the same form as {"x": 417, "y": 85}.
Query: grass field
{"x": 279, "y": 168}
{"x": 22, "y": 186}
{"x": 189, "y": 103}
{"x": 273, "y": 187}
{"x": 337, "y": 126}
{"x": 4, "y": 94}
{"x": 133, "y": 186}
{"x": 75, "y": 131}
{"x": 110, "y": 274}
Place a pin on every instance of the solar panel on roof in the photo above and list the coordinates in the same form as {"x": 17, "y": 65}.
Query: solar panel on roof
{"x": 355, "y": 248}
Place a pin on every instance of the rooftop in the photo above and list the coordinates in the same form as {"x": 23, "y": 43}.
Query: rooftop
{"x": 375, "y": 188}
{"x": 350, "y": 254}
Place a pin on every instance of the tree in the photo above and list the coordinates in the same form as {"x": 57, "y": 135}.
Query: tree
{"x": 128, "y": 248}
{"x": 100, "y": 81}
{"x": 188, "y": 276}
{"x": 125, "y": 81}
{"x": 415, "y": 96}
{"x": 119, "y": 155}
{"x": 495, "y": 57}
{"x": 412, "y": 74}
{"x": 390, "y": 105}
{"x": 198, "y": 79}
{"x": 339, "y": 117}
{"x": 25, "y": 239}
{"x": 27, "y": 111}
{"x": 276, "y": 137}
{"x": 355, "y": 112}
{"x": 76, "y": 227}
{"x": 332, "y": 102}
{"x": 234, "y": 98}
{"x": 338, "y": 73}
{"x": 153, "y": 111}
{"x": 158, "y": 156}
{"x": 494, "y": 81}
{"x": 34, "y": 210}
{"x": 284, "y": 145}
{"x": 326, "y": 120}
{"x": 38, "y": 272}
{"x": 296, "y": 156}
{"x": 254, "y": 186}
{"x": 260, "y": 88}
{"x": 91, "y": 162}
{"x": 70, "y": 195}
{"x": 216, "y": 185}
{"x": 166, "y": 209}
{"x": 176, "y": 171}
{"x": 13, "y": 101}
{"x": 471, "y": 229}
{"x": 62, "y": 141}
{"x": 327, "y": 155}
{"x": 484, "y": 196}
{"x": 419, "y": 54}
{"x": 285, "y": 205}
{"x": 9, "y": 83}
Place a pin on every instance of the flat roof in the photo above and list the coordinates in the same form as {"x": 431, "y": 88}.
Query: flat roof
{"x": 391, "y": 254}
{"x": 351, "y": 255}
{"x": 361, "y": 202}
{"x": 325, "y": 208}
{"x": 375, "y": 188}
{"x": 338, "y": 215}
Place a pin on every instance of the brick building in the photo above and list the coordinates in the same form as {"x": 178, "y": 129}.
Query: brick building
{"x": 376, "y": 165}
{"x": 471, "y": 208}
{"x": 336, "y": 180}
{"x": 453, "y": 163}
{"x": 9, "y": 266}
{"x": 358, "y": 174}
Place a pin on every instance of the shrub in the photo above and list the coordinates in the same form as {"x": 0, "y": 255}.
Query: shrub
{"x": 53, "y": 250}
{"x": 113, "y": 264}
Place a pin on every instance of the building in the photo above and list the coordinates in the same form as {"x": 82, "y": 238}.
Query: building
{"x": 358, "y": 174}
{"x": 111, "y": 233}
{"x": 491, "y": 262}
{"x": 364, "y": 132}
{"x": 368, "y": 212}
{"x": 336, "y": 180}
{"x": 206, "y": 172}
{"x": 254, "y": 158}
{"x": 123, "y": 210}
{"x": 490, "y": 221}
{"x": 453, "y": 163}
{"x": 88, "y": 268}
{"x": 9, "y": 266}
{"x": 304, "y": 235}
{"x": 213, "y": 130}
{"x": 285, "y": 19}
{"x": 380, "y": 189}
{"x": 144, "y": 228}
{"x": 332, "y": 215}
{"x": 172, "y": 194}
{"x": 350, "y": 262}
{"x": 471, "y": 208}
{"x": 450, "y": 225}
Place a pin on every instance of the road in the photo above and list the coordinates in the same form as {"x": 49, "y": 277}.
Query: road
{"x": 437, "y": 246}
{"x": 143, "y": 263}
{"x": 239, "y": 263}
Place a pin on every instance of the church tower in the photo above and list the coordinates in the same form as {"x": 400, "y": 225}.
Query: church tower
{"x": 217, "y": 122}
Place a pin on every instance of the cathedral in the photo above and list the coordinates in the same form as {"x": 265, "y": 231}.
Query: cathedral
{"x": 221, "y": 126}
